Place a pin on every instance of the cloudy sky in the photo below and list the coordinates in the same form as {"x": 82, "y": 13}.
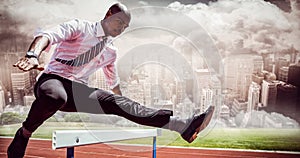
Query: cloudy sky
{"x": 254, "y": 24}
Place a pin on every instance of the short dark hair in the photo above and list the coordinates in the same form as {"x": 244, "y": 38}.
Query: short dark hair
{"x": 116, "y": 8}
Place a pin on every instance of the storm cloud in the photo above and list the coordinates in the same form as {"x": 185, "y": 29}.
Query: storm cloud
{"x": 21, "y": 19}
{"x": 256, "y": 25}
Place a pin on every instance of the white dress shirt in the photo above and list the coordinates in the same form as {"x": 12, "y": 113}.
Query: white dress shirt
{"x": 74, "y": 38}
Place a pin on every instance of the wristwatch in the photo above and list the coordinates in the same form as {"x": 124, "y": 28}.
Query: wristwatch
{"x": 31, "y": 54}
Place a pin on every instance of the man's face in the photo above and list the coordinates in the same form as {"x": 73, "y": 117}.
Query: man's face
{"x": 116, "y": 24}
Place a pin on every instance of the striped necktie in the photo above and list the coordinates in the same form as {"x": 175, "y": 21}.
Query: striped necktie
{"x": 86, "y": 57}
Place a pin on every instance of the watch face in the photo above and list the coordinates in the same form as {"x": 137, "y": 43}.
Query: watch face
{"x": 30, "y": 53}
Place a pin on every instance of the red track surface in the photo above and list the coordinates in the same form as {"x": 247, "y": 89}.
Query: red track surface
{"x": 42, "y": 148}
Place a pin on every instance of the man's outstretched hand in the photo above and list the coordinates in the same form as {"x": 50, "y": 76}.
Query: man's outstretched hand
{"x": 26, "y": 64}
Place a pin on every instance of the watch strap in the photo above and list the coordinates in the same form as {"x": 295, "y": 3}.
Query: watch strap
{"x": 31, "y": 54}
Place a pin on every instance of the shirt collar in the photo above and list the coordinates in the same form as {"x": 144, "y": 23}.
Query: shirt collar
{"x": 99, "y": 30}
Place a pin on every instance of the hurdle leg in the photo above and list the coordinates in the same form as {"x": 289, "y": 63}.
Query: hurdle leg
{"x": 154, "y": 148}
{"x": 70, "y": 152}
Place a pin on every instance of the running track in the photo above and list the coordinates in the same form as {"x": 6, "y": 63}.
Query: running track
{"x": 42, "y": 149}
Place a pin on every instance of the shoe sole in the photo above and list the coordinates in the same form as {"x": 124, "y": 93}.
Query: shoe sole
{"x": 204, "y": 124}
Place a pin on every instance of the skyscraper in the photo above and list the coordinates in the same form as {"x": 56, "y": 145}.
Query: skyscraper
{"x": 203, "y": 80}
{"x": 253, "y": 96}
{"x": 293, "y": 75}
{"x": 269, "y": 93}
{"x": 238, "y": 70}
{"x": 216, "y": 87}
{"x": 238, "y": 106}
{"x": 258, "y": 78}
{"x": 20, "y": 87}
{"x": 206, "y": 99}
{"x": 268, "y": 63}
{"x": 286, "y": 98}
{"x": 2, "y": 99}
{"x": 7, "y": 60}
{"x": 281, "y": 62}
{"x": 293, "y": 79}
{"x": 283, "y": 74}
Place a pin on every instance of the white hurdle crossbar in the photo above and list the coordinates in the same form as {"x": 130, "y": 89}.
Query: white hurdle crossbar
{"x": 72, "y": 138}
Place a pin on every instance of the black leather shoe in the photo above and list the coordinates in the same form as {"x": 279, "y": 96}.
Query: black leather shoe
{"x": 18, "y": 146}
{"x": 197, "y": 124}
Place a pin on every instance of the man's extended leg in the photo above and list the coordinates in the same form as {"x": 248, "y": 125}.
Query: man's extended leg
{"x": 133, "y": 111}
{"x": 188, "y": 128}
{"x": 109, "y": 103}
{"x": 50, "y": 97}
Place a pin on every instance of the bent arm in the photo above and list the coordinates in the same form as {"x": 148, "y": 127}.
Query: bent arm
{"x": 39, "y": 44}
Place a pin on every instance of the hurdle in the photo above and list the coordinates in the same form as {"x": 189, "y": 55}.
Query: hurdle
{"x": 72, "y": 138}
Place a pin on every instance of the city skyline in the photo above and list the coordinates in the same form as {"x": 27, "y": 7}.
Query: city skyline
{"x": 134, "y": 87}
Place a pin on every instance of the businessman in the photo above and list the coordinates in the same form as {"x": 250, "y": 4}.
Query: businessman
{"x": 82, "y": 47}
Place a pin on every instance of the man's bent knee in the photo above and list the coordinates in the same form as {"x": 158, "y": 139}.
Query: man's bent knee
{"x": 106, "y": 100}
{"x": 53, "y": 91}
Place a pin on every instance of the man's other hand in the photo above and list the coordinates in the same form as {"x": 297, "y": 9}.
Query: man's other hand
{"x": 26, "y": 64}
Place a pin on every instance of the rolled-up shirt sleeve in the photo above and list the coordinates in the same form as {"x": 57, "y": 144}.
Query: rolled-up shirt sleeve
{"x": 65, "y": 31}
{"x": 111, "y": 75}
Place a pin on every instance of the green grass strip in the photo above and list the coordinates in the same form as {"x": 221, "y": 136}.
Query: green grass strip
{"x": 234, "y": 138}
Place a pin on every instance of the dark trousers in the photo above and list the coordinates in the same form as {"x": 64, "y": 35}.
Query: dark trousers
{"x": 55, "y": 93}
